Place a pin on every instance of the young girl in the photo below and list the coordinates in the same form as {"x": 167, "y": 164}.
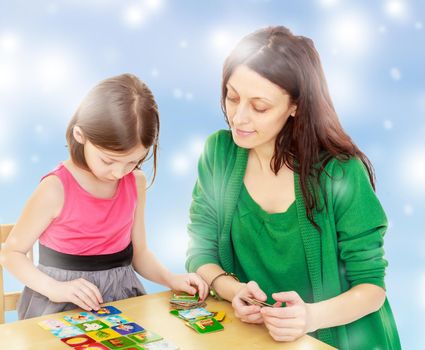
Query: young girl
{"x": 88, "y": 213}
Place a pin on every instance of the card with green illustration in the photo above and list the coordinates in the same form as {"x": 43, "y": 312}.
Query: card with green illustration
{"x": 145, "y": 337}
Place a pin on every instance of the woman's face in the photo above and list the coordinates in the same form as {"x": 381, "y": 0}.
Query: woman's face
{"x": 256, "y": 108}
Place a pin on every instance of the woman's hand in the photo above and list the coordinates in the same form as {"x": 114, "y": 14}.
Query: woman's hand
{"x": 290, "y": 322}
{"x": 249, "y": 313}
{"x": 79, "y": 292}
{"x": 189, "y": 283}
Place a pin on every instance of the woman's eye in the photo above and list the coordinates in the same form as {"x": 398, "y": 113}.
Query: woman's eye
{"x": 106, "y": 162}
{"x": 232, "y": 99}
{"x": 260, "y": 110}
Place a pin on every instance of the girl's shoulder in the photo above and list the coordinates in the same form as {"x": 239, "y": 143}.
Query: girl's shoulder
{"x": 49, "y": 194}
{"x": 139, "y": 177}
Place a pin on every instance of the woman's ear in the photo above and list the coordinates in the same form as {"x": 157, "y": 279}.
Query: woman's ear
{"x": 78, "y": 134}
{"x": 293, "y": 111}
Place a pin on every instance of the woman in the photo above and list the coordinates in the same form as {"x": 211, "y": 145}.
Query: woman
{"x": 284, "y": 208}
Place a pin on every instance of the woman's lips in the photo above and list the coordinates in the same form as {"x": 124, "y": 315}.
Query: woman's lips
{"x": 243, "y": 133}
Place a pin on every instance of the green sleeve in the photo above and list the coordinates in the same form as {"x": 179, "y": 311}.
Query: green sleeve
{"x": 360, "y": 224}
{"x": 203, "y": 227}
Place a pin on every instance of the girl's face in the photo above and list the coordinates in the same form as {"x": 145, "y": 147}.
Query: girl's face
{"x": 256, "y": 108}
{"x": 111, "y": 166}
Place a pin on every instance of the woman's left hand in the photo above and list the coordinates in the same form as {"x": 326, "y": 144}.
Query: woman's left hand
{"x": 288, "y": 323}
{"x": 190, "y": 283}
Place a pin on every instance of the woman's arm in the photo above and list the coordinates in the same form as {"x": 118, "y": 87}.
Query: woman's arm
{"x": 299, "y": 318}
{"x": 225, "y": 286}
{"x": 144, "y": 261}
{"x": 43, "y": 206}
{"x": 357, "y": 302}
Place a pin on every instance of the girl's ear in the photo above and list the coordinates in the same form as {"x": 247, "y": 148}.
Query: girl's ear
{"x": 78, "y": 134}
{"x": 293, "y": 111}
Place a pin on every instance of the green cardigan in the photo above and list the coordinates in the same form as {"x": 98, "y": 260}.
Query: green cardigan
{"x": 348, "y": 251}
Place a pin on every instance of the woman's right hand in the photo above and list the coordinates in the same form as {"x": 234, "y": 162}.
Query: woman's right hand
{"x": 79, "y": 292}
{"x": 248, "y": 313}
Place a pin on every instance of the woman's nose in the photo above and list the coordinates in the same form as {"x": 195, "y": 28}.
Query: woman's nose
{"x": 241, "y": 115}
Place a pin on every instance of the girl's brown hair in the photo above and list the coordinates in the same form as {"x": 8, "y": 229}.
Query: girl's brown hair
{"x": 118, "y": 114}
{"x": 308, "y": 141}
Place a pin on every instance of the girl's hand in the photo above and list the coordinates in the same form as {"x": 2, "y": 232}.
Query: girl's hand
{"x": 249, "y": 313}
{"x": 290, "y": 322}
{"x": 190, "y": 283}
{"x": 79, "y": 292}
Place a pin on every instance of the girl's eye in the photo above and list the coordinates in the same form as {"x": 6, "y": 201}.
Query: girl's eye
{"x": 106, "y": 162}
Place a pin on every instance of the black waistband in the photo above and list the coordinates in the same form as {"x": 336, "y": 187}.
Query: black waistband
{"x": 53, "y": 258}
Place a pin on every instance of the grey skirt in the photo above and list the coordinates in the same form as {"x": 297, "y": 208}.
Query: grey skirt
{"x": 114, "y": 284}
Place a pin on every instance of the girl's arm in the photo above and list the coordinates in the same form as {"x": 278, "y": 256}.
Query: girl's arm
{"x": 144, "y": 261}
{"x": 43, "y": 206}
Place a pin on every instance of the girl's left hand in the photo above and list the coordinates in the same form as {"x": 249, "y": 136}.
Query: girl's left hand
{"x": 190, "y": 283}
{"x": 288, "y": 323}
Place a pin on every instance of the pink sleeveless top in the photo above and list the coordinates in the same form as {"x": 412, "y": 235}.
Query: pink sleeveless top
{"x": 88, "y": 225}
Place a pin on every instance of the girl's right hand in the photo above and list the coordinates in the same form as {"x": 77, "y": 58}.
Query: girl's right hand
{"x": 249, "y": 313}
{"x": 79, "y": 292}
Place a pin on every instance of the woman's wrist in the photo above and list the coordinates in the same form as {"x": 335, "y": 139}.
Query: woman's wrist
{"x": 313, "y": 317}
{"x": 228, "y": 287}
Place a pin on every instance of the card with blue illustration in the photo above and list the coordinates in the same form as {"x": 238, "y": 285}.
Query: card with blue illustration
{"x": 116, "y": 320}
{"x": 106, "y": 311}
{"x": 66, "y": 332}
{"x": 193, "y": 314}
{"x": 128, "y": 328}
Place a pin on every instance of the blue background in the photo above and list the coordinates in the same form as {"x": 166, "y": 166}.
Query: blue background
{"x": 52, "y": 52}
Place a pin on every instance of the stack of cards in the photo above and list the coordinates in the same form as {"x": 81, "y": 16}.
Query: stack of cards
{"x": 183, "y": 301}
{"x": 104, "y": 329}
{"x": 199, "y": 319}
{"x": 253, "y": 301}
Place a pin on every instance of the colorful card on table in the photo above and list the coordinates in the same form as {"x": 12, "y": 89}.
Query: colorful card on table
{"x": 193, "y": 314}
{"x": 92, "y": 326}
{"x": 81, "y": 317}
{"x": 94, "y": 346}
{"x": 116, "y": 320}
{"x": 106, "y": 311}
{"x": 103, "y": 334}
{"x": 206, "y": 325}
{"x": 179, "y": 296}
{"x": 118, "y": 343}
{"x": 145, "y": 337}
{"x": 219, "y": 315}
{"x": 66, "y": 332}
{"x": 53, "y": 323}
{"x": 160, "y": 345}
{"x": 78, "y": 340}
{"x": 128, "y": 328}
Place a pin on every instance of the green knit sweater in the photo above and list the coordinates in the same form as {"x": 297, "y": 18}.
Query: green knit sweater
{"x": 348, "y": 251}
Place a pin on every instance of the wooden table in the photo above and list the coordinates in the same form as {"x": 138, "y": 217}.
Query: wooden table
{"x": 152, "y": 312}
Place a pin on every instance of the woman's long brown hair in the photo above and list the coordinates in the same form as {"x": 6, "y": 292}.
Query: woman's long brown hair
{"x": 308, "y": 141}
